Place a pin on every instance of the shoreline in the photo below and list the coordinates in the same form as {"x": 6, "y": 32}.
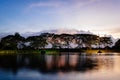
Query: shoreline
{"x": 47, "y": 51}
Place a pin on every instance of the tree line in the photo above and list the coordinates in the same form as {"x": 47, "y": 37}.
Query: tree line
{"x": 56, "y": 41}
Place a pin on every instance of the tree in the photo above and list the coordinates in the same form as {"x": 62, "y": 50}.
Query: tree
{"x": 8, "y": 42}
{"x": 37, "y": 42}
{"x": 117, "y": 45}
{"x": 55, "y": 41}
{"x": 67, "y": 39}
{"x": 1, "y": 45}
{"x": 86, "y": 40}
{"x": 106, "y": 41}
{"x": 11, "y": 41}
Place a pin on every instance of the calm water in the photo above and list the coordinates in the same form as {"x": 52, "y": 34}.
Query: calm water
{"x": 59, "y": 67}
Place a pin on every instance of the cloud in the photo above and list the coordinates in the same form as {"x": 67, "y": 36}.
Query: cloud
{"x": 60, "y": 7}
{"x": 44, "y": 4}
{"x": 79, "y": 14}
{"x": 114, "y": 30}
{"x": 62, "y": 3}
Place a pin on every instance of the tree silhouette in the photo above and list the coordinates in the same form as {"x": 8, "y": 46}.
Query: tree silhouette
{"x": 106, "y": 41}
{"x": 11, "y": 41}
{"x": 59, "y": 41}
{"x": 37, "y": 42}
{"x": 86, "y": 40}
{"x": 117, "y": 45}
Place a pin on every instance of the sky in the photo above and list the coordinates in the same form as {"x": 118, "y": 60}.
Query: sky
{"x": 98, "y": 16}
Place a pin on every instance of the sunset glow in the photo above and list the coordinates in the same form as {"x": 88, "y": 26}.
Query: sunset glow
{"x": 97, "y": 16}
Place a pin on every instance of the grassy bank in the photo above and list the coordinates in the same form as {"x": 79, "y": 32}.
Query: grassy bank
{"x": 52, "y": 51}
{"x": 2, "y": 52}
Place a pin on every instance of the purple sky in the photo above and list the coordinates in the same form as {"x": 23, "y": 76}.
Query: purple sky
{"x": 98, "y": 16}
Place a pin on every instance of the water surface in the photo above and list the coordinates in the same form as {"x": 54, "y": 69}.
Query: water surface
{"x": 59, "y": 67}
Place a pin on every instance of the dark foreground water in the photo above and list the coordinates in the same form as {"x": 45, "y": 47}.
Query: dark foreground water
{"x": 59, "y": 67}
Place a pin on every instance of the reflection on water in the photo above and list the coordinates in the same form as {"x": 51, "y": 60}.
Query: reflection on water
{"x": 59, "y": 67}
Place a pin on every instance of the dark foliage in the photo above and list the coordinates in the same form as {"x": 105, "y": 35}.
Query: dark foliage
{"x": 117, "y": 45}
{"x": 58, "y": 41}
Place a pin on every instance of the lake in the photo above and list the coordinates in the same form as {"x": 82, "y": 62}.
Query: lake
{"x": 60, "y": 67}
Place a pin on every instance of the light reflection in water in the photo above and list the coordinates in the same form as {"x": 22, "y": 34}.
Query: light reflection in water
{"x": 59, "y": 67}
